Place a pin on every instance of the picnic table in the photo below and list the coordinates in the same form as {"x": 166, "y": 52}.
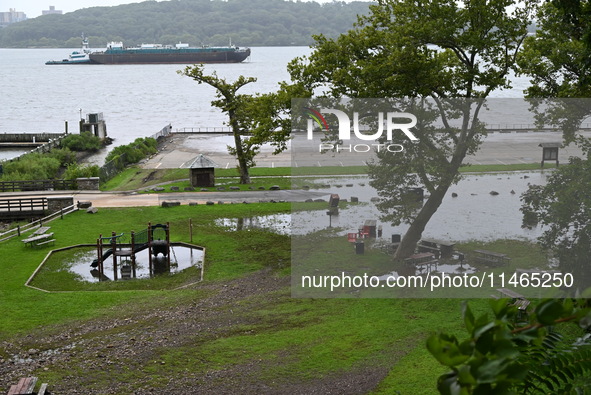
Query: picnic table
{"x": 491, "y": 258}
{"x": 37, "y": 240}
{"x": 41, "y": 230}
{"x": 517, "y": 299}
{"x": 440, "y": 248}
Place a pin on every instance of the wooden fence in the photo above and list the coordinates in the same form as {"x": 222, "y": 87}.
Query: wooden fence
{"x": 37, "y": 185}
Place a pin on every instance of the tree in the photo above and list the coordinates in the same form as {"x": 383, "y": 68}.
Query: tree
{"x": 563, "y": 207}
{"x": 447, "y": 55}
{"x": 558, "y": 61}
{"x": 253, "y": 120}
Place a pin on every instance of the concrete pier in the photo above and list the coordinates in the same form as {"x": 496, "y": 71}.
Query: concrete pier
{"x": 26, "y": 140}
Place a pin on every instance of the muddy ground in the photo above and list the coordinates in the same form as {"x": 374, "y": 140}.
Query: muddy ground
{"x": 134, "y": 340}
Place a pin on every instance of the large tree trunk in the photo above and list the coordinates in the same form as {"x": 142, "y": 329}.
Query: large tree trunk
{"x": 242, "y": 162}
{"x": 413, "y": 234}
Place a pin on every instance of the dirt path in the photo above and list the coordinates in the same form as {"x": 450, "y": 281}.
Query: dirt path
{"x": 137, "y": 341}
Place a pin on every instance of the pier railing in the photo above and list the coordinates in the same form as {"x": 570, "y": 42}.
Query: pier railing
{"x": 205, "y": 129}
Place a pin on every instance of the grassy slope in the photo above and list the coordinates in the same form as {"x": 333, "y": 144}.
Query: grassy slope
{"x": 329, "y": 335}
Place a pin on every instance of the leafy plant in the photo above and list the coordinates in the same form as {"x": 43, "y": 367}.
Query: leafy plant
{"x": 503, "y": 354}
{"x": 84, "y": 141}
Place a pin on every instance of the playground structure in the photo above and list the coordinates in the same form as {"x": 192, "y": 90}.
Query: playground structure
{"x": 124, "y": 247}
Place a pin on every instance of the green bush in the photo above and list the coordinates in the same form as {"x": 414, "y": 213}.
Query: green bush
{"x": 32, "y": 167}
{"x": 64, "y": 155}
{"x": 76, "y": 171}
{"x": 134, "y": 152}
{"x": 84, "y": 141}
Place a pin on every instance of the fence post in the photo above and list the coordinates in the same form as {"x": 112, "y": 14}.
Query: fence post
{"x": 18, "y": 230}
{"x": 62, "y": 213}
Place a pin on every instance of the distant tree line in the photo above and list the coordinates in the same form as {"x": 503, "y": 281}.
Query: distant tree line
{"x": 197, "y": 22}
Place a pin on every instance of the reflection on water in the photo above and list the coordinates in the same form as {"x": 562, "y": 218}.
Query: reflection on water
{"x": 473, "y": 214}
{"x": 181, "y": 257}
{"x": 278, "y": 223}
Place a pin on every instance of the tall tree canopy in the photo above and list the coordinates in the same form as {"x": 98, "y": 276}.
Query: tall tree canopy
{"x": 558, "y": 61}
{"x": 444, "y": 51}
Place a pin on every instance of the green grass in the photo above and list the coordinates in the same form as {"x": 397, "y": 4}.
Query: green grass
{"x": 289, "y": 339}
{"x": 135, "y": 178}
{"x": 229, "y": 255}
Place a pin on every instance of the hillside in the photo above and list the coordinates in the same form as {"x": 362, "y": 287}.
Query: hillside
{"x": 215, "y": 22}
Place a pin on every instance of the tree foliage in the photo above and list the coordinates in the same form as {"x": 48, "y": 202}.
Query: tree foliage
{"x": 445, "y": 56}
{"x": 506, "y": 354}
{"x": 245, "y": 22}
{"x": 254, "y": 119}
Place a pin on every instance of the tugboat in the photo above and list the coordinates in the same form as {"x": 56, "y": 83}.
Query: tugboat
{"x": 76, "y": 57}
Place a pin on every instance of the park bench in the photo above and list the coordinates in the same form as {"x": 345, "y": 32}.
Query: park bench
{"x": 26, "y": 386}
{"x": 52, "y": 242}
{"x": 421, "y": 259}
{"x": 491, "y": 258}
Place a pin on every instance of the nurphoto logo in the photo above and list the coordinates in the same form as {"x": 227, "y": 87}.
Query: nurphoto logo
{"x": 391, "y": 120}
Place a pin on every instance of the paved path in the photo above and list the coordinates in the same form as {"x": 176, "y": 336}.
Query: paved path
{"x": 497, "y": 148}
{"x": 130, "y": 199}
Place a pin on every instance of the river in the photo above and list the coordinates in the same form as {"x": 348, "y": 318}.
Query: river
{"x": 136, "y": 100}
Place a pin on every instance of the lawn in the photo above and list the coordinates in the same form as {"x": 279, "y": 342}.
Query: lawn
{"x": 290, "y": 340}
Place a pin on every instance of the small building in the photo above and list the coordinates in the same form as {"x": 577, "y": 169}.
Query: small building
{"x": 95, "y": 124}
{"x": 51, "y": 11}
{"x": 201, "y": 171}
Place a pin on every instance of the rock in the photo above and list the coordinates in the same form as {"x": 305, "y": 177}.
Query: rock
{"x": 204, "y": 190}
{"x": 309, "y": 200}
{"x": 512, "y": 192}
{"x": 261, "y": 188}
{"x": 174, "y": 189}
{"x": 354, "y": 199}
{"x": 193, "y": 204}
{"x": 454, "y": 195}
{"x": 92, "y": 210}
{"x": 158, "y": 189}
{"x": 494, "y": 193}
{"x": 189, "y": 189}
{"x": 84, "y": 204}
{"x": 221, "y": 188}
{"x": 209, "y": 203}
{"x": 170, "y": 204}
{"x": 274, "y": 188}
{"x": 220, "y": 202}
{"x": 234, "y": 188}
{"x": 374, "y": 199}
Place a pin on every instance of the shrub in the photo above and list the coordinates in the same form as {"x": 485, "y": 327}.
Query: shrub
{"x": 76, "y": 171}
{"x": 84, "y": 141}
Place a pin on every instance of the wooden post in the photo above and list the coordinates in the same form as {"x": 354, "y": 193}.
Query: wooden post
{"x": 191, "y": 228}
{"x": 150, "y": 263}
{"x": 99, "y": 253}
{"x": 113, "y": 250}
{"x": 168, "y": 246}
{"x": 133, "y": 253}
{"x": 18, "y": 230}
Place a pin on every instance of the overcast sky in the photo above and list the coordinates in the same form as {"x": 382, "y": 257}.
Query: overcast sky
{"x": 33, "y": 8}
